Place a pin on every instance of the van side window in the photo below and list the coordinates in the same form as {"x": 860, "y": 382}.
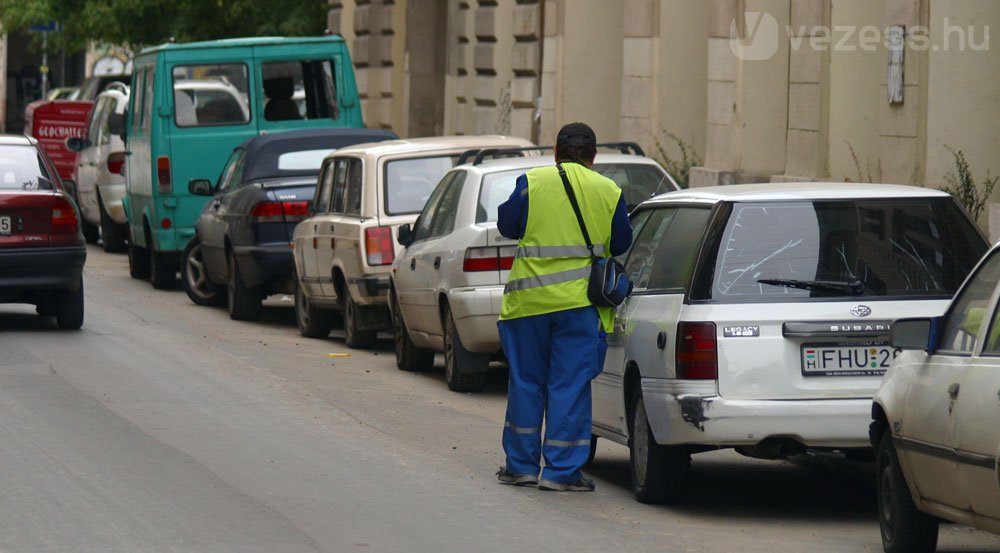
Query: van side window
{"x": 147, "y": 99}
{"x": 297, "y": 90}
{"x": 138, "y": 87}
{"x": 211, "y": 95}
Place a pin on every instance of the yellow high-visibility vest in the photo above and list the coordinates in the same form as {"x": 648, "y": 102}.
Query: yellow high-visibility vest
{"x": 552, "y": 265}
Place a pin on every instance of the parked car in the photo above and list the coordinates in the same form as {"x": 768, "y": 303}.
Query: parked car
{"x": 192, "y": 103}
{"x": 94, "y": 85}
{"x": 935, "y": 419}
{"x": 760, "y": 318}
{"x": 344, "y": 251}
{"x": 242, "y": 235}
{"x": 447, "y": 284}
{"x": 42, "y": 251}
{"x": 100, "y": 184}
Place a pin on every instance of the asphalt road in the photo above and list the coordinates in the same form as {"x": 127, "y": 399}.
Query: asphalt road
{"x": 162, "y": 426}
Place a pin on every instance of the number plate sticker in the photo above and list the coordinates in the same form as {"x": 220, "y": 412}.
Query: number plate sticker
{"x": 4, "y": 224}
{"x": 846, "y": 359}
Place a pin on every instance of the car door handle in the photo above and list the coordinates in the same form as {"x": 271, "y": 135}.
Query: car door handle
{"x": 661, "y": 340}
{"x": 413, "y": 264}
{"x": 437, "y": 262}
{"x": 331, "y": 228}
{"x": 953, "y": 390}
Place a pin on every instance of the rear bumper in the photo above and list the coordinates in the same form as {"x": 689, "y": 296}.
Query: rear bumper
{"x": 476, "y": 311}
{"x": 28, "y": 269}
{"x": 680, "y": 413}
{"x": 268, "y": 265}
{"x": 111, "y": 198}
{"x": 369, "y": 290}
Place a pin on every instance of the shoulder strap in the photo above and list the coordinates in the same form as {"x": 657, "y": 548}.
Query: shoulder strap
{"x": 576, "y": 208}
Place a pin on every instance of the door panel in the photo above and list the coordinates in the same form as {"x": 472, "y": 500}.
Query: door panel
{"x": 977, "y": 436}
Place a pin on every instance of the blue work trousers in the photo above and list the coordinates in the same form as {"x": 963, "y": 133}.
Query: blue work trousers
{"x": 553, "y": 358}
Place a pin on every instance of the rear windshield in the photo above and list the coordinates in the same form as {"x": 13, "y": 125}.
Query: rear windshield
{"x": 21, "y": 168}
{"x": 409, "y": 182}
{"x": 871, "y": 248}
{"x": 303, "y": 161}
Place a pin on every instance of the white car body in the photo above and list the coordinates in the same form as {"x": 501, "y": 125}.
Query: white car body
{"x": 785, "y": 380}
{"x": 430, "y": 281}
{"x": 938, "y": 410}
{"x": 96, "y": 185}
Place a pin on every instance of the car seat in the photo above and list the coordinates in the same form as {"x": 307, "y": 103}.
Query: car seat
{"x": 280, "y": 106}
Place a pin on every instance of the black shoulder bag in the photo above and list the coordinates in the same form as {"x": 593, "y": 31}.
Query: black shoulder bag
{"x": 609, "y": 285}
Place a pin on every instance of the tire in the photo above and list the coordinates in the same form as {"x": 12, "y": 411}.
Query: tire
{"x": 905, "y": 529}
{"x": 244, "y": 302}
{"x": 90, "y": 231}
{"x": 408, "y": 356}
{"x": 464, "y": 371}
{"x": 313, "y": 322}
{"x": 69, "y": 310}
{"x": 138, "y": 260}
{"x": 593, "y": 450}
{"x": 112, "y": 234}
{"x": 659, "y": 472}
{"x": 194, "y": 277}
{"x": 354, "y": 338}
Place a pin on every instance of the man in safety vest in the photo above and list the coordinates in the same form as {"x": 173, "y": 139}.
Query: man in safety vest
{"x": 548, "y": 327}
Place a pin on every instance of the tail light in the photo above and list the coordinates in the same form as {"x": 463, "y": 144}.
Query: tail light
{"x": 278, "y": 212}
{"x": 489, "y": 259}
{"x": 65, "y": 226}
{"x": 116, "y": 163}
{"x": 697, "y": 351}
{"x": 379, "y": 246}
{"x": 164, "y": 185}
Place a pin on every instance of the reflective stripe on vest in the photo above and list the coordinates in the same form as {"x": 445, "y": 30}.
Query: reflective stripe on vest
{"x": 563, "y": 443}
{"x": 546, "y": 280}
{"x": 558, "y": 251}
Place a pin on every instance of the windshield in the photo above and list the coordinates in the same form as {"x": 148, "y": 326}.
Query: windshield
{"x": 865, "y": 248}
{"x": 21, "y": 168}
{"x": 409, "y": 182}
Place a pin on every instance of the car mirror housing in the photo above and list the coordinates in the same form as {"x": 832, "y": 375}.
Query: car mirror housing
{"x": 915, "y": 334}
{"x": 404, "y": 235}
{"x": 200, "y": 187}
{"x": 76, "y": 144}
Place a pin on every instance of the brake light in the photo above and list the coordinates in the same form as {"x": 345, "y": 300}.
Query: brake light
{"x": 489, "y": 259}
{"x": 697, "y": 351}
{"x": 163, "y": 182}
{"x": 116, "y": 163}
{"x": 64, "y": 219}
{"x": 295, "y": 211}
{"x": 267, "y": 212}
{"x": 379, "y": 246}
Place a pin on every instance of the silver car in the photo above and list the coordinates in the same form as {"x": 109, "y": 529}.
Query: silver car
{"x": 447, "y": 284}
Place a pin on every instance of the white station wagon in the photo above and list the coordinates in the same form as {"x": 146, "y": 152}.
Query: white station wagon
{"x": 760, "y": 318}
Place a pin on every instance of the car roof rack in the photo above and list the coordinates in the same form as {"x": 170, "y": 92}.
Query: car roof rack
{"x": 480, "y": 155}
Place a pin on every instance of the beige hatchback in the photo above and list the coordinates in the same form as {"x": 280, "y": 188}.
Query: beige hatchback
{"x": 344, "y": 251}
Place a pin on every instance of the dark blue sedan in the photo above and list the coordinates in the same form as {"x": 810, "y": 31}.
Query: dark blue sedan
{"x": 240, "y": 253}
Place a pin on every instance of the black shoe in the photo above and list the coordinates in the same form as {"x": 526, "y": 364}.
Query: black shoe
{"x": 506, "y": 477}
{"x": 581, "y": 485}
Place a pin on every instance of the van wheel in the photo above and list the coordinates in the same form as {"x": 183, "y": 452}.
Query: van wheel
{"x": 905, "y": 529}
{"x": 354, "y": 338}
{"x": 244, "y": 302}
{"x": 194, "y": 278}
{"x": 659, "y": 472}
{"x": 313, "y": 322}
{"x": 138, "y": 260}
{"x": 90, "y": 231}
{"x": 162, "y": 275}
{"x": 465, "y": 371}
{"x": 112, "y": 234}
{"x": 408, "y": 356}
{"x": 69, "y": 311}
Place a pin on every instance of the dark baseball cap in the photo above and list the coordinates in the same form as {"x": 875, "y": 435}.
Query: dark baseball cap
{"x": 576, "y": 134}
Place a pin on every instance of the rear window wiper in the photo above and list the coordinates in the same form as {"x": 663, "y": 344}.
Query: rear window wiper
{"x": 855, "y": 288}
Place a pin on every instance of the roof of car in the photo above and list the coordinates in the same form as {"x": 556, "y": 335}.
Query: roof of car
{"x": 514, "y": 163}
{"x": 241, "y": 42}
{"x": 798, "y": 191}
{"x": 430, "y": 144}
{"x": 15, "y": 140}
{"x": 263, "y": 151}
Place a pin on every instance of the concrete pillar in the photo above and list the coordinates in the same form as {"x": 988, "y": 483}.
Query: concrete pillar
{"x": 903, "y": 127}
{"x": 639, "y": 85}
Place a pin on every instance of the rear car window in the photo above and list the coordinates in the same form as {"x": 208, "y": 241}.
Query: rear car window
{"x": 209, "y": 95}
{"x": 298, "y": 90}
{"x": 409, "y": 182}
{"x": 22, "y": 168}
{"x": 903, "y": 247}
{"x": 302, "y": 160}
{"x": 662, "y": 257}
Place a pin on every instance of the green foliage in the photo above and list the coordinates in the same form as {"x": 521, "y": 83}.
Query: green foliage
{"x": 962, "y": 185}
{"x": 137, "y": 23}
{"x": 679, "y": 168}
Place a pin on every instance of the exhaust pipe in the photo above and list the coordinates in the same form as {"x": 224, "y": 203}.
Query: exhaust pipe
{"x": 773, "y": 448}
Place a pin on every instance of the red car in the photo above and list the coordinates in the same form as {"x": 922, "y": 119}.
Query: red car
{"x": 42, "y": 250}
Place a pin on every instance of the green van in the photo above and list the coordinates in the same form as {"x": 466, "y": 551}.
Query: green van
{"x": 191, "y": 104}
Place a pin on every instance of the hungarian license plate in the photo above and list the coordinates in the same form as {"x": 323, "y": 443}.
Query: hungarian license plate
{"x": 4, "y": 224}
{"x": 846, "y": 359}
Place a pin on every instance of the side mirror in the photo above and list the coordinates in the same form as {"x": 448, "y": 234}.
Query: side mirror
{"x": 76, "y": 144}
{"x": 116, "y": 123}
{"x": 915, "y": 334}
{"x": 200, "y": 187}
{"x": 404, "y": 234}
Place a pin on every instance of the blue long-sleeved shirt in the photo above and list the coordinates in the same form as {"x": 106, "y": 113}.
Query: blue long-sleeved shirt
{"x": 512, "y": 218}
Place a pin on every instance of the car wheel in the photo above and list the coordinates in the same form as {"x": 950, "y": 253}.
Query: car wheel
{"x": 905, "y": 529}
{"x": 112, "y": 234}
{"x": 659, "y": 472}
{"x": 408, "y": 356}
{"x": 244, "y": 302}
{"x": 194, "y": 278}
{"x": 138, "y": 260}
{"x": 465, "y": 371}
{"x": 593, "y": 450}
{"x": 90, "y": 231}
{"x": 69, "y": 310}
{"x": 354, "y": 338}
{"x": 313, "y": 322}
{"x": 162, "y": 275}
